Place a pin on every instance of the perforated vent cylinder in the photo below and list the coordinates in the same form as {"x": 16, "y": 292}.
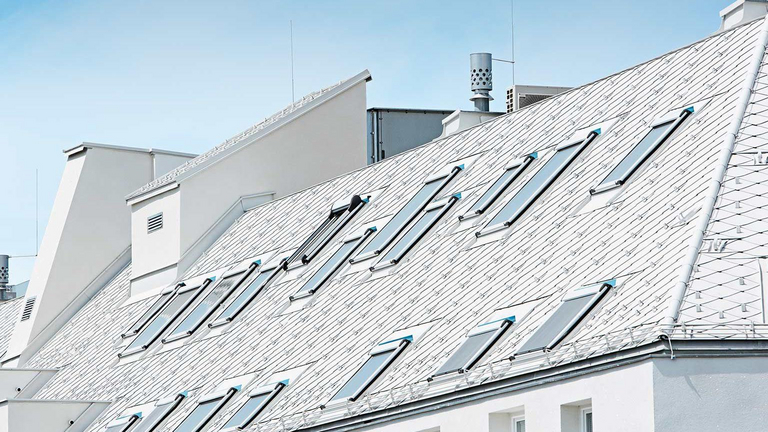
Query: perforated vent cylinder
{"x": 480, "y": 71}
{"x": 4, "y": 270}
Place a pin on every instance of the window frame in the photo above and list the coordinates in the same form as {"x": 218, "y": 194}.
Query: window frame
{"x": 272, "y": 389}
{"x": 342, "y": 212}
{"x": 165, "y": 296}
{"x": 498, "y": 328}
{"x": 275, "y": 267}
{"x": 171, "y": 402}
{"x": 444, "y": 177}
{"x": 517, "y": 420}
{"x": 127, "y": 421}
{"x": 672, "y": 125}
{"x": 358, "y": 238}
{"x": 518, "y": 165}
{"x": 597, "y": 291}
{"x": 225, "y": 396}
{"x": 584, "y": 411}
{"x": 536, "y": 194}
{"x": 241, "y": 275}
{"x": 180, "y": 289}
{"x": 442, "y": 206}
{"x": 396, "y": 347}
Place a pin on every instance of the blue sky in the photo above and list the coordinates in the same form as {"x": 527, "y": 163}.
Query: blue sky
{"x": 186, "y": 75}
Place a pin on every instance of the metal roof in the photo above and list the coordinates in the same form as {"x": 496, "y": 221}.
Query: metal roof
{"x": 451, "y": 281}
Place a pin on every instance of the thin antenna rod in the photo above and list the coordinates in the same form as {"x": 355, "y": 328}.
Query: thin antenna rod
{"x": 37, "y": 212}
{"x": 293, "y": 95}
{"x": 512, "y": 15}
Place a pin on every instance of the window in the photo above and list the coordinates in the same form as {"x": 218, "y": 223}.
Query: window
{"x": 257, "y": 401}
{"x": 574, "y": 307}
{"x": 518, "y": 424}
{"x": 334, "y": 263}
{"x": 511, "y": 172}
{"x": 165, "y": 296}
{"x": 660, "y": 132}
{"x": 206, "y": 408}
{"x": 209, "y": 304}
{"x": 381, "y": 358}
{"x": 183, "y": 298}
{"x": 123, "y": 424}
{"x": 163, "y": 408}
{"x": 432, "y": 187}
{"x": 431, "y": 215}
{"x": 586, "y": 420}
{"x": 265, "y": 276}
{"x": 537, "y": 185}
{"x": 341, "y": 213}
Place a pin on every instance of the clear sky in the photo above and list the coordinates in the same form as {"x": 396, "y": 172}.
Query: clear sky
{"x": 186, "y": 75}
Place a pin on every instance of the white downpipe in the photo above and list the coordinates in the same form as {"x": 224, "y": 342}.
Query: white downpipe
{"x": 708, "y": 207}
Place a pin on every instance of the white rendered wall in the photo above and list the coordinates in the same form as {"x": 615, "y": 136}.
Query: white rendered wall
{"x": 159, "y": 249}
{"x": 48, "y": 416}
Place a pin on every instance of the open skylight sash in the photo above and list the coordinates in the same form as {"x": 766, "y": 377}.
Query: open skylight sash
{"x": 253, "y": 289}
{"x": 430, "y": 189}
{"x": 511, "y": 173}
{"x": 312, "y": 252}
{"x": 647, "y": 146}
{"x": 536, "y": 186}
{"x": 163, "y": 408}
{"x": 207, "y": 307}
{"x": 429, "y": 219}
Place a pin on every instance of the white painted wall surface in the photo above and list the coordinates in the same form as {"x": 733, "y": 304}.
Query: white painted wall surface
{"x": 711, "y": 394}
{"x": 158, "y": 249}
{"x": 48, "y": 416}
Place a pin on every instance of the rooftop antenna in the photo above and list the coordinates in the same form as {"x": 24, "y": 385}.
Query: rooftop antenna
{"x": 512, "y": 61}
{"x": 37, "y": 213}
{"x": 293, "y": 96}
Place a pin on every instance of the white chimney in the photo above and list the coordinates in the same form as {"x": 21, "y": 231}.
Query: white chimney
{"x": 742, "y": 11}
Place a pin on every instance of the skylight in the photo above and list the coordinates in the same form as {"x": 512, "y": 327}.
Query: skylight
{"x": 183, "y": 298}
{"x": 210, "y": 303}
{"x": 165, "y": 296}
{"x": 574, "y": 307}
{"x": 334, "y": 263}
{"x": 538, "y": 184}
{"x": 123, "y": 424}
{"x": 341, "y": 213}
{"x": 265, "y": 276}
{"x": 660, "y": 131}
{"x": 163, "y": 408}
{"x": 432, "y": 214}
{"x": 381, "y": 358}
{"x": 257, "y": 402}
{"x": 431, "y": 188}
{"x": 512, "y": 171}
{"x": 206, "y": 408}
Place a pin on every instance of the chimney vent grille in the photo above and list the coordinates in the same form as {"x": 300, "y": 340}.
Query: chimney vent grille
{"x": 154, "y": 222}
{"x": 28, "y": 306}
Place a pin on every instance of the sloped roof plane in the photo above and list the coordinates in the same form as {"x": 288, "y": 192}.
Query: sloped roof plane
{"x": 450, "y": 281}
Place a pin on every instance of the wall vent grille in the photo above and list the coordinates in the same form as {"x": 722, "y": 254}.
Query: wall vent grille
{"x": 155, "y": 222}
{"x": 28, "y": 306}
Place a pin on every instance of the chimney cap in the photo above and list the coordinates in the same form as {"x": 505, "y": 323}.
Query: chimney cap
{"x": 742, "y": 11}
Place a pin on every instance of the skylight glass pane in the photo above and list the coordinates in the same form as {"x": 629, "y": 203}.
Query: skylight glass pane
{"x": 246, "y": 295}
{"x": 156, "y": 306}
{"x": 466, "y": 352}
{"x": 330, "y": 267}
{"x": 416, "y": 231}
{"x": 201, "y": 413}
{"x": 361, "y": 376}
{"x": 384, "y": 237}
{"x": 315, "y": 237}
{"x": 161, "y": 322}
{"x": 556, "y": 323}
{"x": 498, "y": 187}
{"x": 157, "y": 415}
{"x": 638, "y": 154}
{"x": 206, "y": 307}
{"x": 246, "y": 412}
{"x": 537, "y": 185}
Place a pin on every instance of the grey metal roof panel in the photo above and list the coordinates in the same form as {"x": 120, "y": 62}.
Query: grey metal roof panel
{"x": 250, "y": 135}
{"x": 450, "y": 280}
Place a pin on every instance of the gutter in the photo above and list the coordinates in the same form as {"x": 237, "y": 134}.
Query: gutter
{"x": 710, "y": 200}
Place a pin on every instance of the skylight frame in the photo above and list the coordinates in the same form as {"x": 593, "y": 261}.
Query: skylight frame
{"x": 342, "y": 212}
{"x": 273, "y": 268}
{"x": 394, "y": 347}
{"x": 223, "y": 397}
{"x": 596, "y": 291}
{"x": 497, "y": 331}
{"x": 123, "y": 423}
{"x": 332, "y": 267}
{"x": 395, "y": 254}
{"x": 672, "y": 124}
{"x": 241, "y": 275}
{"x": 515, "y": 169}
{"x": 540, "y": 188}
{"x": 271, "y": 390}
{"x": 168, "y": 405}
{"x": 165, "y": 296}
{"x": 385, "y": 237}
{"x": 199, "y": 288}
